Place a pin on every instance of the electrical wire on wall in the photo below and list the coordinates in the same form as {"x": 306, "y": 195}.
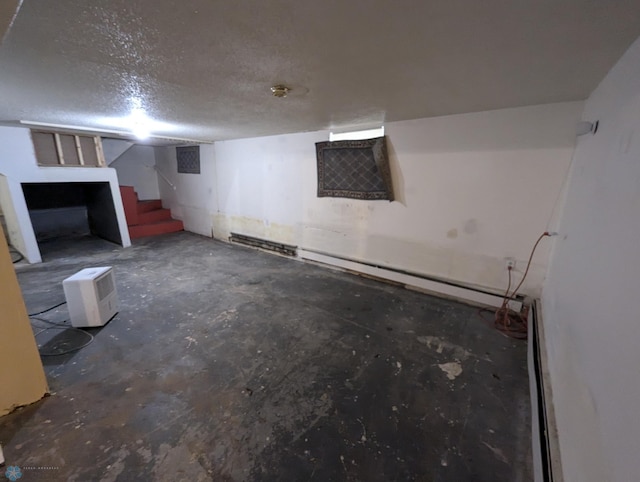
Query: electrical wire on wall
{"x": 506, "y": 320}
{"x": 65, "y": 345}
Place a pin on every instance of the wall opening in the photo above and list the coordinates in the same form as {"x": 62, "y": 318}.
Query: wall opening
{"x": 71, "y": 210}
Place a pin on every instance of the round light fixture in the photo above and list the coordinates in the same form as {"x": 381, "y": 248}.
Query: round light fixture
{"x": 280, "y": 90}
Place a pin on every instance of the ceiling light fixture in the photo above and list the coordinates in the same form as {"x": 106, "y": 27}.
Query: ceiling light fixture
{"x": 139, "y": 123}
{"x": 280, "y": 90}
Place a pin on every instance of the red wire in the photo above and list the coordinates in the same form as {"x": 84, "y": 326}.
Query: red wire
{"x": 526, "y": 271}
{"x": 503, "y": 318}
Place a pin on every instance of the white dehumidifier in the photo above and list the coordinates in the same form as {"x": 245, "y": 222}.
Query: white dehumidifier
{"x": 91, "y": 296}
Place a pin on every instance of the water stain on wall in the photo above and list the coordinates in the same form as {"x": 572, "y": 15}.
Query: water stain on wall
{"x": 224, "y": 225}
{"x": 471, "y": 226}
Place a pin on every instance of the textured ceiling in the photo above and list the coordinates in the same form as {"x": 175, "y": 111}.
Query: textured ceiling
{"x": 203, "y": 68}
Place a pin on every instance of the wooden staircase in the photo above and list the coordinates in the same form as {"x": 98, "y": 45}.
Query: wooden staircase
{"x": 147, "y": 218}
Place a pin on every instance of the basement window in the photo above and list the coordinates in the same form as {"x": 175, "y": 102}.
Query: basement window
{"x": 55, "y": 149}
{"x": 354, "y": 169}
{"x": 188, "y": 159}
{"x": 356, "y": 135}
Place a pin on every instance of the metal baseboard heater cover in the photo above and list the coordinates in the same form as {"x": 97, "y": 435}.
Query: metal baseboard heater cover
{"x": 410, "y": 280}
{"x": 547, "y": 463}
{"x": 254, "y": 242}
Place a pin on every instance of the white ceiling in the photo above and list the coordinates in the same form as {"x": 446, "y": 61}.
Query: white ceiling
{"x": 204, "y": 67}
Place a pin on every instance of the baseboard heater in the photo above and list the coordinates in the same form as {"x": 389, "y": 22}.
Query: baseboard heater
{"x": 254, "y": 242}
{"x": 546, "y": 449}
{"x": 410, "y": 280}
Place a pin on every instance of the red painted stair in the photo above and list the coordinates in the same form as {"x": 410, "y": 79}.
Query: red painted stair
{"x": 146, "y": 218}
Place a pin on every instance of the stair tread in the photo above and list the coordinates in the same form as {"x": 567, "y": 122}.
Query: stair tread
{"x": 154, "y": 223}
{"x": 156, "y": 228}
{"x": 156, "y": 210}
{"x": 148, "y": 205}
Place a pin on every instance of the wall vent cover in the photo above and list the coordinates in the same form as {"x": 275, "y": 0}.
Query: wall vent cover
{"x": 281, "y": 248}
{"x": 188, "y": 159}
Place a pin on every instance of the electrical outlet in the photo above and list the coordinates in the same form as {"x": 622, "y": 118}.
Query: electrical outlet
{"x": 509, "y": 263}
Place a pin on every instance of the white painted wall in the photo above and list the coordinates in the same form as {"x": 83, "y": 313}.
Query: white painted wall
{"x": 114, "y": 148}
{"x": 135, "y": 167}
{"x": 17, "y": 165}
{"x": 589, "y": 303}
{"x": 471, "y": 190}
{"x": 194, "y": 198}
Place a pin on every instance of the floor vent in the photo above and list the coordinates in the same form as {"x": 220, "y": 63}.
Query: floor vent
{"x": 285, "y": 249}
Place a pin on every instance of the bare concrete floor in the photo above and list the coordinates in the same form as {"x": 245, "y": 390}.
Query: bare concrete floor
{"x": 226, "y": 363}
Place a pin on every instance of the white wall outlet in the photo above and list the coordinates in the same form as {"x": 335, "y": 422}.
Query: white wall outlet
{"x": 510, "y": 263}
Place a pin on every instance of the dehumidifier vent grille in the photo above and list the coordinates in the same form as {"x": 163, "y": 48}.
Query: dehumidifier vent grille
{"x": 105, "y": 286}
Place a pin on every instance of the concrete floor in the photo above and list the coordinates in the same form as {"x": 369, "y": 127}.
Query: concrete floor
{"x": 226, "y": 363}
